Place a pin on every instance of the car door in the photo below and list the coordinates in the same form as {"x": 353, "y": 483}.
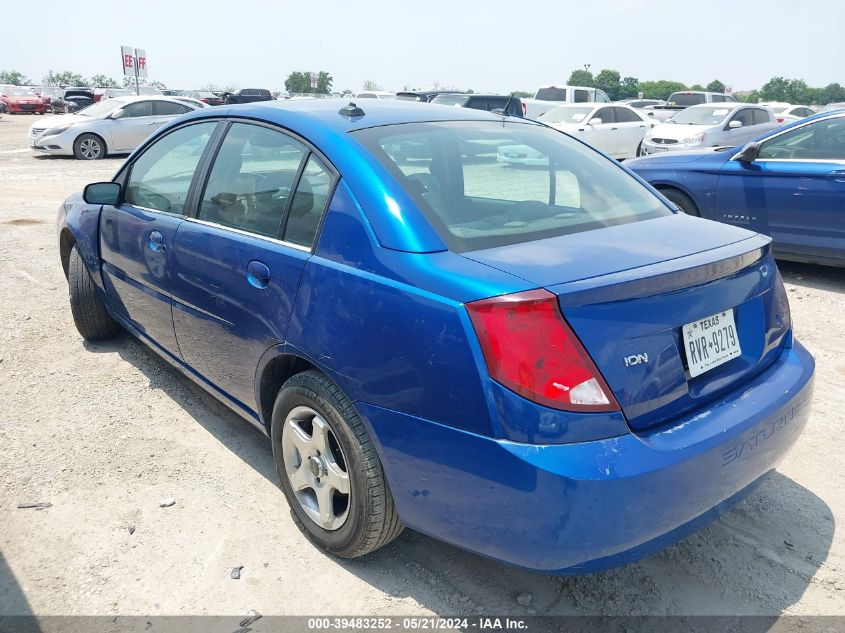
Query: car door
{"x": 793, "y": 191}
{"x": 132, "y": 124}
{"x": 238, "y": 262}
{"x": 603, "y": 136}
{"x": 136, "y": 237}
{"x": 629, "y": 133}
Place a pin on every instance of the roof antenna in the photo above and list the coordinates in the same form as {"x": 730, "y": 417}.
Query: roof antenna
{"x": 352, "y": 111}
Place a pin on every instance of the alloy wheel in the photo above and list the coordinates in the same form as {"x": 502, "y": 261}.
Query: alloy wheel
{"x": 90, "y": 148}
{"x": 316, "y": 468}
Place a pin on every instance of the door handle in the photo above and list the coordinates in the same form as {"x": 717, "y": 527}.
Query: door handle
{"x": 613, "y": 128}
{"x": 151, "y": 123}
{"x": 258, "y": 274}
{"x": 156, "y": 242}
{"x": 837, "y": 175}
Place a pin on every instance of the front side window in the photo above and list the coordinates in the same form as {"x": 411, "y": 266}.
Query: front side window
{"x": 486, "y": 184}
{"x": 160, "y": 178}
{"x": 566, "y": 114}
{"x": 251, "y": 180}
{"x": 820, "y": 140}
{"x": 605, "y": 114}
{"x": 137, "y": 109}
{"x": 746, "y": 117}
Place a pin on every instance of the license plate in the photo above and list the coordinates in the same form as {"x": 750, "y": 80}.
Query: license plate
{"x": 710, "y": 342}
{"x": 657, "y": 150}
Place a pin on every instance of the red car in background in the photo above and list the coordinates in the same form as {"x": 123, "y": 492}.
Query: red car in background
{"x": 206, "y": 97}
{"x": 22, "y": 101}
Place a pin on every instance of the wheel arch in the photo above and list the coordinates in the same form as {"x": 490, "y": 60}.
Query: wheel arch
{"x": 669, "y": 186}
{"x": 67, "y": 240}
{"x": 276, "y": 367}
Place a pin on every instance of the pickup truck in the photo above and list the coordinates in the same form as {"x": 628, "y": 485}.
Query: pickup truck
{"x": 548, "y": 97}
{"x": 248, "y": 95}
{"x": 678, "y": 101}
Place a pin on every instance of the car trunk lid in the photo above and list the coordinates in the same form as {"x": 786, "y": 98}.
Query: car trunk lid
{"x": 627, "y": 292}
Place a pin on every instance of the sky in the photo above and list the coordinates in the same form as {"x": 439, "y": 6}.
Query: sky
{"x": 490, "y": 46}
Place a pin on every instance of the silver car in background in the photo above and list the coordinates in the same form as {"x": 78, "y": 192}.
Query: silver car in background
{"x": 709, "y": 125}
{"x": 113, "y": 126}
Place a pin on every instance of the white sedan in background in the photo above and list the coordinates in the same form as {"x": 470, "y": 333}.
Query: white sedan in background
{"x": 710, "y": 125}
{"x": 113, "y": 126}
{"x": 788, "y": 113}
{"x": 615, "y": 129}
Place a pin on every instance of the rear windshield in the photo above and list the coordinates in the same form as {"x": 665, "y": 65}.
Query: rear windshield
{"x": 485, "y": 184}
{"x": 452, "y": 100}
{"x": 685, "y": 99}
{"x": 551, "y": 94}
{"x": 565, "y": 114}
{"x": 703, "y": 115}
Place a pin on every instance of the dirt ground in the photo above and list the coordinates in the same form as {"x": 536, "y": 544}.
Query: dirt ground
{"x": 104, "y": 432}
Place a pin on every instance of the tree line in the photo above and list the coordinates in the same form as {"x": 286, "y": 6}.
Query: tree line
{"x": 776, "y": 89}
{"x": 70, "y": 78}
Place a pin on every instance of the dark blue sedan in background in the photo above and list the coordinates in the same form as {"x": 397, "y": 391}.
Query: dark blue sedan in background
{"x": 789, "y": 184}
{"x": 551, "y": 367}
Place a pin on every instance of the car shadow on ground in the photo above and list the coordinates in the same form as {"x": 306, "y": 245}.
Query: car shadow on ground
{"x": 758, "y": 559}
{"x": 15, "y": 610}
{"x": 813, "y": 276}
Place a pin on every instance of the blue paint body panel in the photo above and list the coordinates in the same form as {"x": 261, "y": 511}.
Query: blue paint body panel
{"x": 379, "y": 305}
{"x": 797, "y": 201}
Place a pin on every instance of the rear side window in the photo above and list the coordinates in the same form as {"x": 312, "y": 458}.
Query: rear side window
{"x": 486, "y": 184}
{"x": 166, "y": 108}
{"x": 581, "y": 96}
{"x": 623, "y": 115}
{"x": 159, "y": 178}
{"x": 251, "y": 179}
{"x": 718, "y": 98}
{"x": 761, "y": 116}
{"x": 309, "y": 203}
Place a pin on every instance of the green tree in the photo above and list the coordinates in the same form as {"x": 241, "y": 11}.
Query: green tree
{"x": 609, "y": 81}
{"x": 776, "y": 89}
{"x": 13, "y": 77}
{"x": 581, "y": 77}
{"x": 660, "y": 89}
{"x": 630, "y": 87}
{"x": 831, "y": 93}
{"x": 103, "y": 81}
{"x": 522, "y": 94}
{"x": 64, "y": 78}
{"x": 716, "y": 86}
{"x": 698, "y": 87}
{"x": 300, "y": 82}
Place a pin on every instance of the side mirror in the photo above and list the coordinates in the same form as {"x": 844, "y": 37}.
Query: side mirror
{"x": 102, "y": 193}
{"x": 595, "y": 121}
{"x": 734, "y": 124}
{"x": 748, "y": 154}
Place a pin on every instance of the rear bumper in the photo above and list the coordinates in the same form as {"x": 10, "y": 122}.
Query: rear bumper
{"x": 577, "y": 508}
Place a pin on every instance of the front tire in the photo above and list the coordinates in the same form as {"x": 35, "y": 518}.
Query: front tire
{"x": 329, "y": 469}
{"x": 682, "y": 201}
{"x": 92, "y": 319}
{"x": 89, "y": 147}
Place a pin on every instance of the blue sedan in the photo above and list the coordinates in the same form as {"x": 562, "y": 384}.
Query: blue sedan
{"x": 789, "y": 184}
{"x": 551, "y": 367}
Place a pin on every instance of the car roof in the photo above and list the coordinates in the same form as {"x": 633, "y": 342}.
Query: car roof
{"x": 301, "y": 115}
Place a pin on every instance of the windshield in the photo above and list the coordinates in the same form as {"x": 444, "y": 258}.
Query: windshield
{"x": 452, "y": 100}
{"x": 551, "y": 94}
{"x": 702, "y": 115}
{"x": 485, "y": 184}
{"x": 686, "y": 99}
{"x": 565, "y": 115}
{"x": 19, "y": 92}
{"x": 102, "y": 108}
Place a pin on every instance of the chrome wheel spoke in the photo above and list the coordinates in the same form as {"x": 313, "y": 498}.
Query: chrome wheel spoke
{"x": 299, "y": 438}
{"x": 337, "y": 479}
{"x": 299, "y": 478}
{"x": 320, "y": 435}
{"x": 325, "y": 502}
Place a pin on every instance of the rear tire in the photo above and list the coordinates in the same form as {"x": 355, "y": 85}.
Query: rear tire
{"x": 369, "y": 519}
{"x": 89, "y": 147}
{"x": 682, "y": 200}
{"x": 92, "y": 319}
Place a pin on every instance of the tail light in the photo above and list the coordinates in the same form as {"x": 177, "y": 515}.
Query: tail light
{"x": 530, "y": 349}
{"x": 780, "y": 119}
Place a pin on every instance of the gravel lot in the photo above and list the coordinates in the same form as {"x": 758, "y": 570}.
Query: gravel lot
{"x": 104, "y": 432}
